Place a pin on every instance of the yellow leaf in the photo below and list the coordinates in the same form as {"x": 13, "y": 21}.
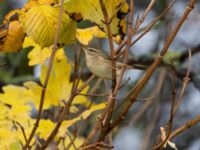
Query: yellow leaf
{"x": 37, "y": 55}
{"x": 19, "y": 110}
{"x": 91, "y": 10}
{"x": 59, "y": 86}
{"x": 45, "y": 128}
{"x": 14, "y": 38}
{"x": 40, "y": 23}
{"x": 82, "y": 116}
{"x": 20, "y": 95}
{"x": 86, "y": 35}
{"x": 87, "y": 113}
{"x": 8, "y": 140}
{"x": 61, "y": 69}
{"x": 36, "y": 89}
{"x": 48, "y": 2}
{"x": 10, "y": 133}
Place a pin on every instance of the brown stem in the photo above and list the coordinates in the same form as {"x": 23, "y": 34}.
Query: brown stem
{"x": 184, "y": 127}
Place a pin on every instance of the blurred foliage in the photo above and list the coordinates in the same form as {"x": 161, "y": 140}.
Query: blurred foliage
{"x": 15, "y": 69}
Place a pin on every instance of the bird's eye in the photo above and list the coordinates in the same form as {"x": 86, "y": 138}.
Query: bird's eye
{"x": 91, "y": 49}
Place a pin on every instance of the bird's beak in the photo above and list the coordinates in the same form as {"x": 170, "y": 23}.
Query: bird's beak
{"x": 84, "y": 48}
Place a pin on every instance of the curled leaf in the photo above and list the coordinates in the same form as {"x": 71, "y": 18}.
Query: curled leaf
{"x": 11, "y": 33}
{"x": 11, "y": 37}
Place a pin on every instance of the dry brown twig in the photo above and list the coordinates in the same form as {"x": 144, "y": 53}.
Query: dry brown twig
{"x": 22, "y": 129}
{"x": 184, "y": 127}
{"x": 72, "y": 140}
{"x": 186, "y": 80}
{"x": 111, "y": 100}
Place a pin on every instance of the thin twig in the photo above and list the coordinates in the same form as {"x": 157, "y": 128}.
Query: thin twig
{"x": 72, "y": 140}
{"x": 22, "y": 129}
{"x": 184, "y": 127}
{"x": 184, "y": 55}
{"x": 117, "y": 85}
{"x": 186, "y": 80}
{"x": 141, "y": 20}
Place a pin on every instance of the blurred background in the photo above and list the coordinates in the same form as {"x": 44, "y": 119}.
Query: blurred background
{"x": 142, "y": 125}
